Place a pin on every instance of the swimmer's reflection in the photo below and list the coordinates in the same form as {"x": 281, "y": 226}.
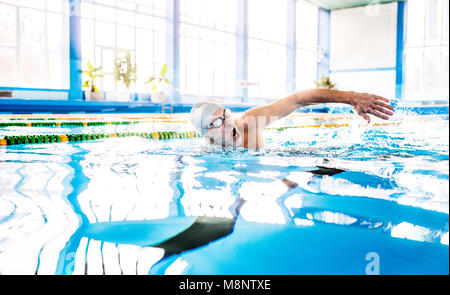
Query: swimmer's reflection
{"x": 205, "y": 230}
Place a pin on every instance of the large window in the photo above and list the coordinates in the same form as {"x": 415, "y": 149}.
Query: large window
{"x": 307, "y": 54}
{"x": 34, "y": 43}
{"x": 208, "y": 48}
{"x": 267, "y": 48}
{"x": 426, "y": 50}
{"x": 109, "y": 27}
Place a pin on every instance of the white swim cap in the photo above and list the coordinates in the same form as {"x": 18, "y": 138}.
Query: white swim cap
{"x": 201, "y": 114}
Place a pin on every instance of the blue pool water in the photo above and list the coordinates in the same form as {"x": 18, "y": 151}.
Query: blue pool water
{"x": 355, "y": 199}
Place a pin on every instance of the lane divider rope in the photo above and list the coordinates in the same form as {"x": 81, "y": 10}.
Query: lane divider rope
{"x": 52, "y": 138}
{"x": 81, "y": 124}
{"x": 330, "y": 125}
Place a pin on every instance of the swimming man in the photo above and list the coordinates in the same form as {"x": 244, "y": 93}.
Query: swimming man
{"x": 217, "y": 125}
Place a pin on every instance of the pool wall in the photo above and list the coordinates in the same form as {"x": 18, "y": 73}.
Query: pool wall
{"x": 24, "y": 106}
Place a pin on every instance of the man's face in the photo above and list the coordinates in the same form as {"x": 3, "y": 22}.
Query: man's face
{"x": 222, "y": 130}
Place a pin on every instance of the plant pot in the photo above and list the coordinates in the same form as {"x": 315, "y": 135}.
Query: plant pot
{"x": 118, "y": 96}
{"x": 94, "y": 95}
{"x": 158, "y": 97}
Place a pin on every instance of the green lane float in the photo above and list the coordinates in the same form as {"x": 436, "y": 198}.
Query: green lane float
{"x": 52, "y": 138}
{"x": 55, "y": 124}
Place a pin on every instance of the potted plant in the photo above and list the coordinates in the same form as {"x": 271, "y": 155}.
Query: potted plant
{"x": 125, "y": 70}
{"x": 159, "y": 83}
{"x": 325, "y": 82}
{"x": 92, "y": 73}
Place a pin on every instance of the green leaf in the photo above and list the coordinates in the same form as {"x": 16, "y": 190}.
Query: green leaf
{"x": 163, "y": 70}
{"x": 154, "y": 87}
{"x": 167, "y": 81}
{"x": 150, "y": 80}
{"x": 90, "y": 67}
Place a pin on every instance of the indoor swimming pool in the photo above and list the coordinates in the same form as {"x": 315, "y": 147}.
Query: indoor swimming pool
{"x": 329, "y": 194}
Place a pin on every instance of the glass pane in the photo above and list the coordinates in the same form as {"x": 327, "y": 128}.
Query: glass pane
{"x": 8, "y": 25}
{"x": 192, "y": 52}
{"x": 426, "y": 51}
{"x": 125, "y": 37}
{"x": 159, "y": 24}
{"x": 8, "y": 70}
{"x": 55, "y": 5}
{"x": 107, "y": 2}
{"x": 98, "y": 56}
{"x": 193, "y": 8}
{"x": 161, "y": 12}
{"x": 416, "y": 22}
{"x": 267, "y": 67}
{"x": 267, "y": 19}
{"x": 32, "y": 66}
{"x": 146, "y": 2}
{"x": 87, "y": 9}
{"x": 55, "y": 70}
{"x": 230, "y": 81}
{"x": 160, "y": 4}
{"x": 129, "y": 5}
{"x": 104, "y": 13}
{"x": 105, "y": 34}
{"x": 431, "y": 70}
{"x": 206, "y": 53}
{"x": 9, "y": 1}
{"x": 206, "y": 81}
{"x": 192, "y": 81}
{"x": 183, "y": 7}
{"x": 307, "y": 25}
{"x": 219, "y": 83}
{"x": 108, "y": 61}
{"x": 32, "y": 24}
{"x": 443, "y": 82}
{"x": 144, "y": 53}
{"x": 125, "y": 17}
{"x": 32, "y": 3}
{"x": 204, "y": 48}
{"x": 414, "y": 72}
{"x": 108, "y": 83}
{"x": 306, "y": 69}
{"x": 87, "y": 41}
{"x": 183, "y": 80}
{"x": 145, "y": 9}
{"x": 144, "y": 21}
{"x": 160, "y": 48}
{"x": 55, "y": 31}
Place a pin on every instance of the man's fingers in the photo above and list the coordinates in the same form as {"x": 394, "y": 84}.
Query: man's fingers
{"x": 379, "y": 114}
{"x": 383, "y": 110}
{"x": 384, "y": 105}
{"x": 365, "y": 116}
{"x": 379, "y": 98}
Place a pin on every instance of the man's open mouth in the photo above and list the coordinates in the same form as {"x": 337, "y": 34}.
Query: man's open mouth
{"x": 234, "y": 132}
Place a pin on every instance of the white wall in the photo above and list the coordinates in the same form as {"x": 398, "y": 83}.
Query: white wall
{"x": 363, "y": 40}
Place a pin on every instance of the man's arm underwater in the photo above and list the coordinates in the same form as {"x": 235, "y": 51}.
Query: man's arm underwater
{"x": 363, "y": 103}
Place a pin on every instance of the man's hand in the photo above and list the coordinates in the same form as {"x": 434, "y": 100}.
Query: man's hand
{"x": 365, "y": 103}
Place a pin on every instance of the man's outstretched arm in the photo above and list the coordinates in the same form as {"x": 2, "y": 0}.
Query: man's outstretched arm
{"x": 363, "y": 103}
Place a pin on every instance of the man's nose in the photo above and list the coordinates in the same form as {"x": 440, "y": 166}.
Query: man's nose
{"x": 228, "y": 123}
